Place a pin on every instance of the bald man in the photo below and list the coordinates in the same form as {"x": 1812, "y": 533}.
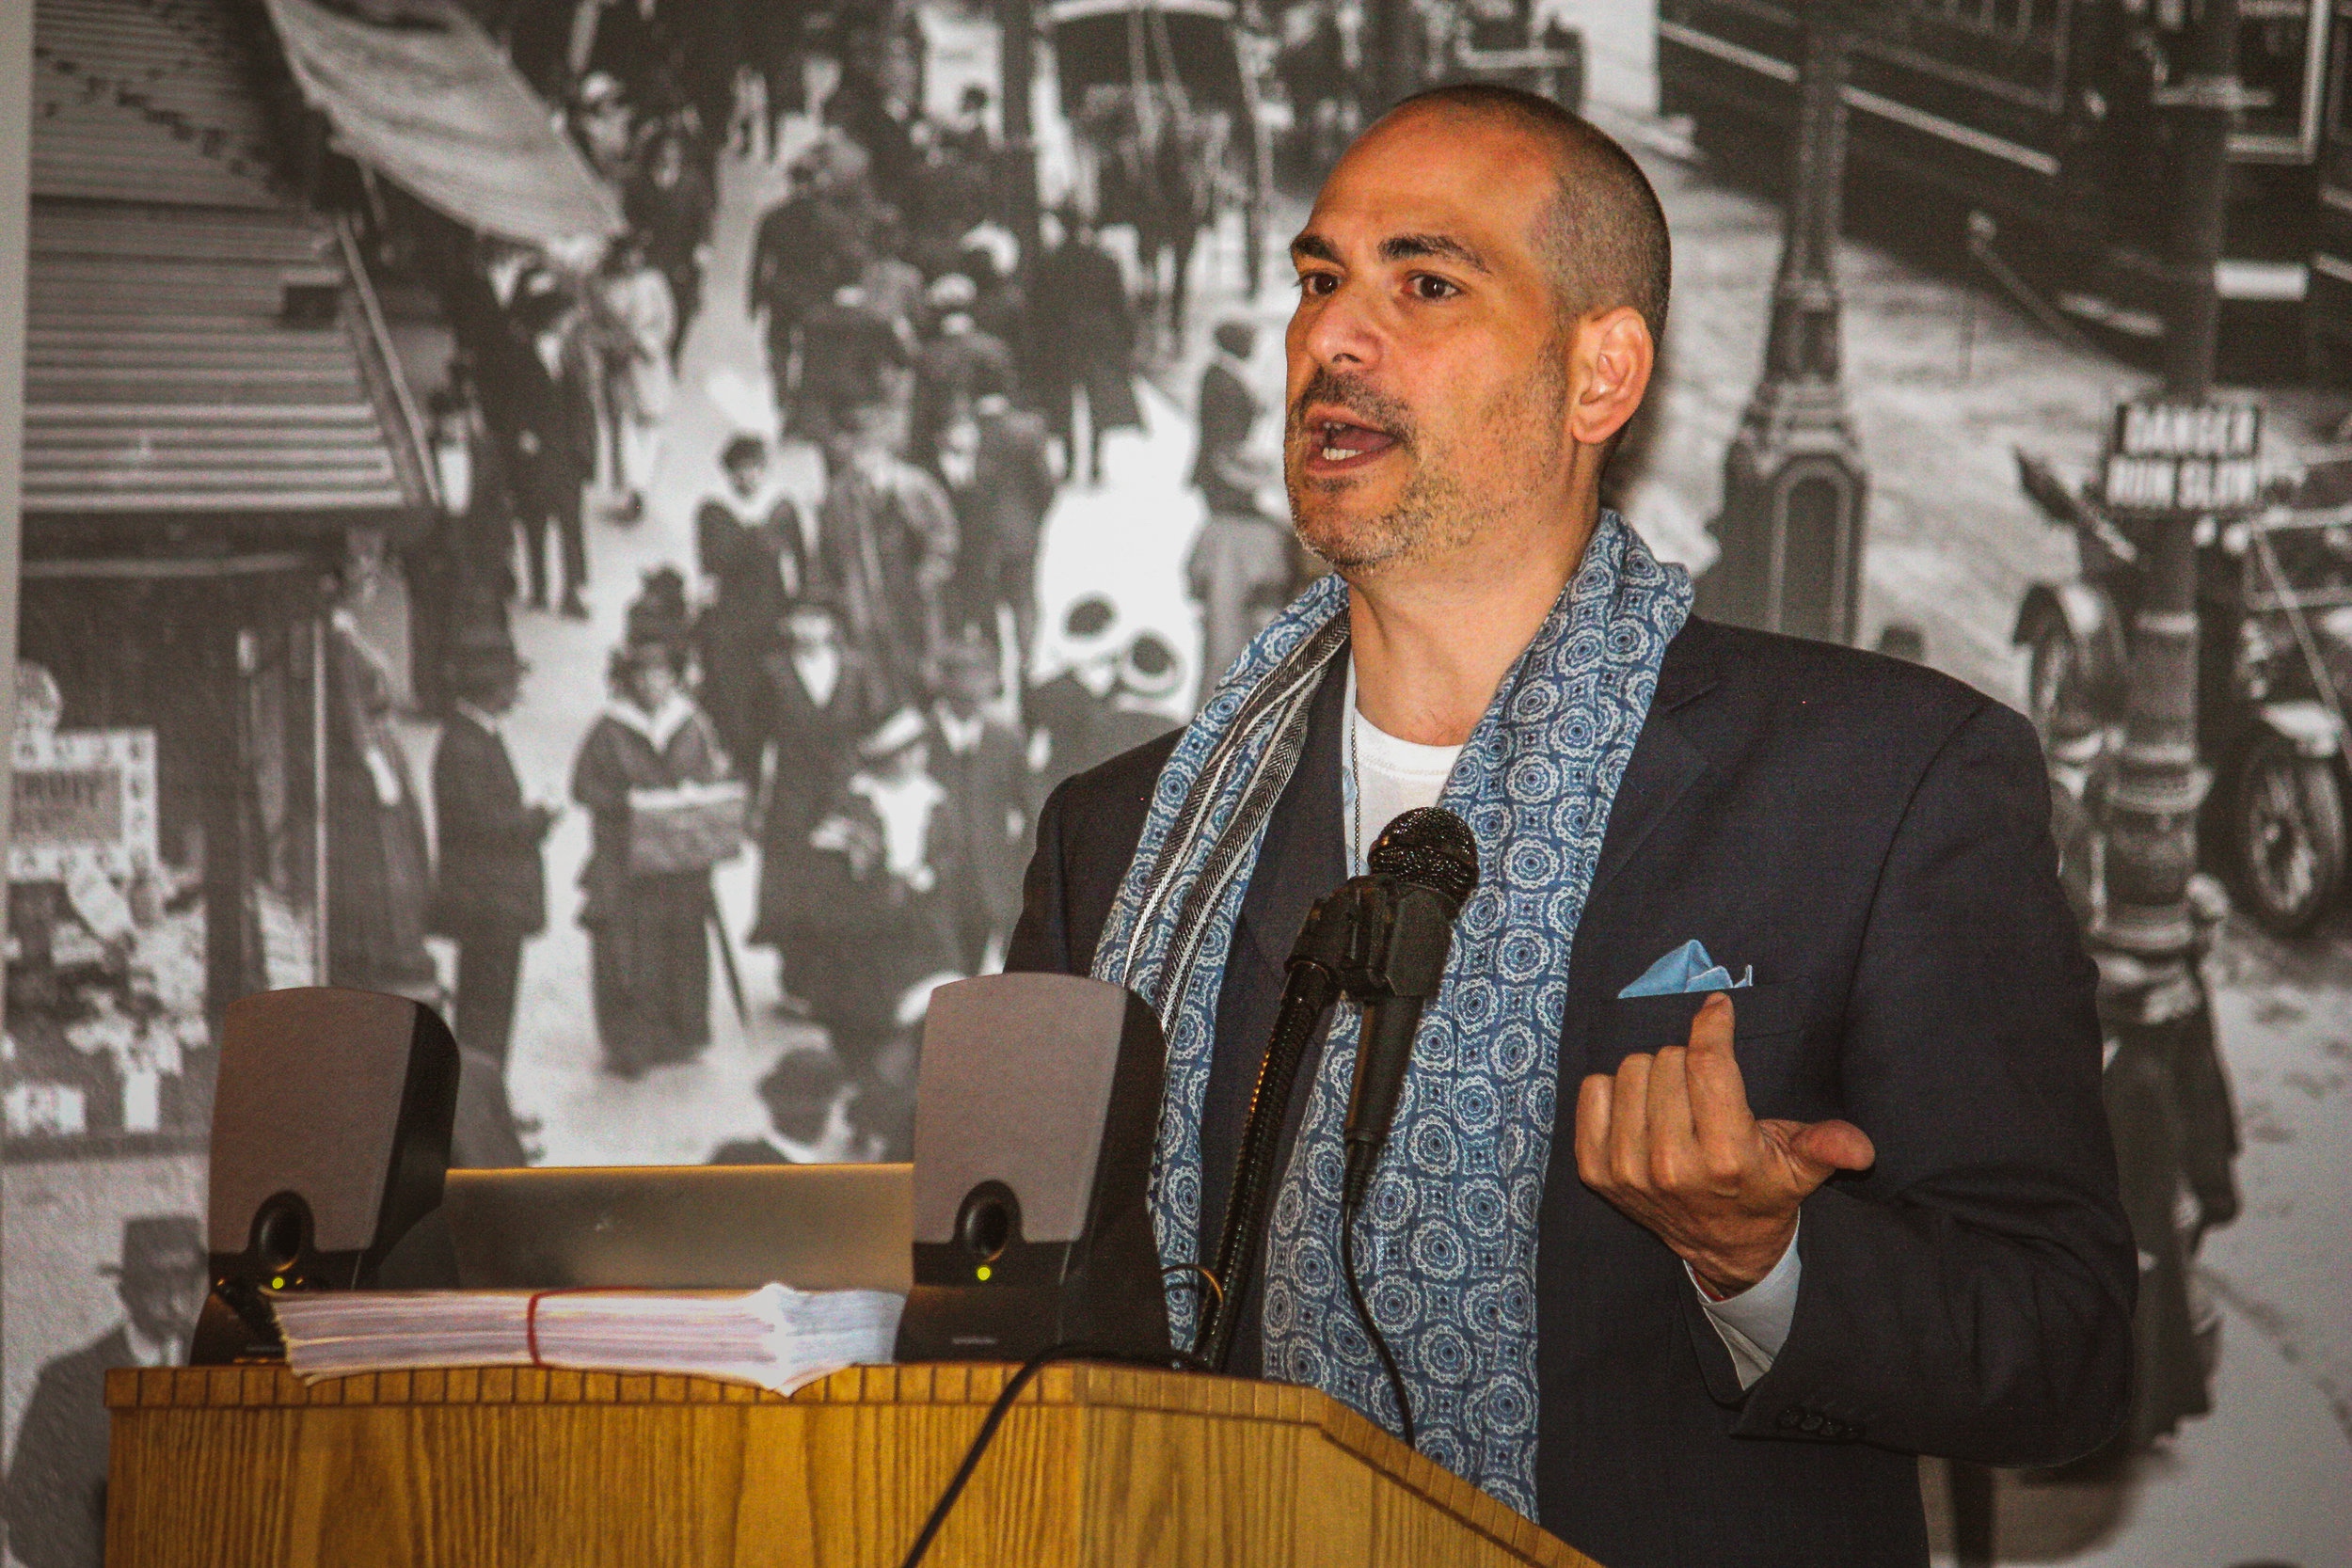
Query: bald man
{"x": 1753, "y": 1145}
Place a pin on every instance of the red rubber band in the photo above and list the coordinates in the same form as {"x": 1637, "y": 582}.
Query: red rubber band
{"x": 530, "y": 1313}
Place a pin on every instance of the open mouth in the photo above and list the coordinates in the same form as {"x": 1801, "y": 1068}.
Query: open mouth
{"x": 1334, "y": 445}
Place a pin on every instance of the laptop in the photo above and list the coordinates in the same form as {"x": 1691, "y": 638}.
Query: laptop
{"x": 678, "y": 1228}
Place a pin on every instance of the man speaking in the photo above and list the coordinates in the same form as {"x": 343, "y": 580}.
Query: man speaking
{"x": 1753, "y": 1144}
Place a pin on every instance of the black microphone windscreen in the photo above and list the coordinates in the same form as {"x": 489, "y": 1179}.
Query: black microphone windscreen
{"x": 1431, "y": 847}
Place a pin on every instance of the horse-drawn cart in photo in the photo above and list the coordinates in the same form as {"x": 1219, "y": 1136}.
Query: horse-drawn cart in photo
{"x": 2274, "y": 673}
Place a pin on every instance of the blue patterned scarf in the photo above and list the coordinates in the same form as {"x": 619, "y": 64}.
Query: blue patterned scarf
{"x": 1447, "y": 1238}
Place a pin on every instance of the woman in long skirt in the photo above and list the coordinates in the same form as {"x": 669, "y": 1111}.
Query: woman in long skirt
{"x": 649, "y": 957}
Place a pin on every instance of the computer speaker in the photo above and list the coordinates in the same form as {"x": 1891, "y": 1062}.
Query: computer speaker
{"x": 1037, "y": 1104}
{"x": 330, "y": 1141}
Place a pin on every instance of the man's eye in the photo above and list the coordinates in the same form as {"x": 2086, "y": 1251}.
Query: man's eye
{"x": 1317, "y": 285}
{"x": 1425, "y": 287}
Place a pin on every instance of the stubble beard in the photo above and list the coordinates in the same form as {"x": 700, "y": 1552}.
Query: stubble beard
{"x": 1439, "y": 509}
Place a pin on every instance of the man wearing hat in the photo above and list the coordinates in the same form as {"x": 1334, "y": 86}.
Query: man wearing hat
{"x": 886, "y": 544}
{"x": 55, "y": 1498}
{"x": 807, "y": 245}
{"x": 808, "y": 1096}
{"x": 1001, "y": 481}
{"x": 556, "y": 438}
{"x": 1094, "y": 343}
{"x": 1243, "y": 567}
{"x": 491, "y": 892}
{"x": 1150, "y": 675}
{"x": 849, "y": 351}
{"x": 957, "y": 364}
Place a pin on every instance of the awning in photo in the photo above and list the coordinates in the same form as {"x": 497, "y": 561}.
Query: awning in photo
{"x": 431, "y": 102}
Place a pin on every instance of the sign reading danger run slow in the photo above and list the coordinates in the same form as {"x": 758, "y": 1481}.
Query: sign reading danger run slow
{"x": 2184, "y": 457}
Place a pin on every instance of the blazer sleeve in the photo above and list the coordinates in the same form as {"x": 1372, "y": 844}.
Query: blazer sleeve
{"x": 1971, "y": 1295}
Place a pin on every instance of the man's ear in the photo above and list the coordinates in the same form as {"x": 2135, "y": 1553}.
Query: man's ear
{"x": 1611, "y": 356}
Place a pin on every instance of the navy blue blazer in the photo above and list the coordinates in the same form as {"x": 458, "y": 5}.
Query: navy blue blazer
{"x": 1873, "y": 837}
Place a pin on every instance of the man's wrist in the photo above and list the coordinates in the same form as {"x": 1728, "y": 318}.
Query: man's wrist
{"x": 1724, "y": 1272}
{"x": 1754, "y": 1324}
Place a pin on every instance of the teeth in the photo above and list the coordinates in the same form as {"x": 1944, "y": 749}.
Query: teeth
{"x": 1336, "y": 454}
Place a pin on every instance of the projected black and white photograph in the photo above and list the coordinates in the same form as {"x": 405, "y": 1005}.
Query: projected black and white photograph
{"x": 611, "y": 518}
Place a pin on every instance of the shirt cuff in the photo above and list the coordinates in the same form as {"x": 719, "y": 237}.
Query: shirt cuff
{"x": 1754, "y": 1324}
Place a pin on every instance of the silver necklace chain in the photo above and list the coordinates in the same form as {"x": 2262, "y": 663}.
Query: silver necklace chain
{"x": 1354, "y": 796}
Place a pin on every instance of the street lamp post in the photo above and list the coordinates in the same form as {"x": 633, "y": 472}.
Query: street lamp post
{"x": 2152, "y": 810}
{"x": 1794, "y": 486}
{"x": 2176, "y": 465}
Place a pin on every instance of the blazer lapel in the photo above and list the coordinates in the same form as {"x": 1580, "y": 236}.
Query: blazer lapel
{"x": 1304, "y": 855}
{"x": 1665, "y": 762}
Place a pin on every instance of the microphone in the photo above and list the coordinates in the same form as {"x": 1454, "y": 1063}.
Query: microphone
{"x": 1427, "y": 863}
{"x": 1424, "y": 865}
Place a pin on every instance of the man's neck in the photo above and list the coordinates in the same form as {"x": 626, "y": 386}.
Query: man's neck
{"x": 1432, "y": 640}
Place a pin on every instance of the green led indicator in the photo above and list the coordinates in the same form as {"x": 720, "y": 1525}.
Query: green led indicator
{"x": 278, "y": 1283}
{"x": 984, "y": 1271}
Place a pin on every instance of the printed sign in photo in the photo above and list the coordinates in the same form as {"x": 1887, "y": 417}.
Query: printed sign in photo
{"x": 84, "y": 802}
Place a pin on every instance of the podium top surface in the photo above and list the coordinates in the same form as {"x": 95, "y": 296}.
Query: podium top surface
{"x": 130, "y": 1390}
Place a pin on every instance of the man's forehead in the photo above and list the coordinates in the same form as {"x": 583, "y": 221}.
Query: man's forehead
{"x": 1434, "y": 182}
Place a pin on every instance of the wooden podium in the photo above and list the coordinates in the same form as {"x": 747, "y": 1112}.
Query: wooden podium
{"x": 248, "y": 1468}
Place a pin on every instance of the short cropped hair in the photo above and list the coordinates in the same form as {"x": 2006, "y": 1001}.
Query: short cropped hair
{"x": 1604, "y": 235}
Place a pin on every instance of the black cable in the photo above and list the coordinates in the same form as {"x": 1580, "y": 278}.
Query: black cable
{"x": 1380, "y": 1340}
{"x": 1216, "y": 1299}
{"x": 995, "y": 1418}
{"x": 1069, "y": 1350}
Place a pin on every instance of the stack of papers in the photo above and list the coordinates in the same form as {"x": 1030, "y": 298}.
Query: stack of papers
{"x": 775, "y": 1336}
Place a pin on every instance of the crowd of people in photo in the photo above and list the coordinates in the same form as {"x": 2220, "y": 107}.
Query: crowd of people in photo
{"x": 840, "y": 684}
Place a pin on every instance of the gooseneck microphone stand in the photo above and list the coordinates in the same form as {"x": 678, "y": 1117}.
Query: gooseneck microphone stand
{"x": 1317, "y": 964}
{"x": 1379, "y": 939}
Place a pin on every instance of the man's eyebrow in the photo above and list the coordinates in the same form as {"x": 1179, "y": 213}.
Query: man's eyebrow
{"x": 1403, "y": 248}
{"x": 1396, "y": 247}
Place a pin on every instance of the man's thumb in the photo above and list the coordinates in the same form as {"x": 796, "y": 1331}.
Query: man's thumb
{"x": 1834, "y": 1145}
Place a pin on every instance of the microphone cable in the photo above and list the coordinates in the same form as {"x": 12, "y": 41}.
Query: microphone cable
{"x": 1069, "y": 1350}
{"x": 1348, "y": 1211}
{"x": 1308, "y": 996}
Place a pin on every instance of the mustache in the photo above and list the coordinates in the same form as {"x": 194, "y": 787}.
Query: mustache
{"x": 1375, "y": 408}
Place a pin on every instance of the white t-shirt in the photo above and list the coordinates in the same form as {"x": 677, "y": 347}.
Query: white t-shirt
{"x": 1392, "y": 777}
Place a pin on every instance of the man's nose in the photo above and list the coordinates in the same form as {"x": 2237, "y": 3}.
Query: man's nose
{"x": 1341, "y": 334}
